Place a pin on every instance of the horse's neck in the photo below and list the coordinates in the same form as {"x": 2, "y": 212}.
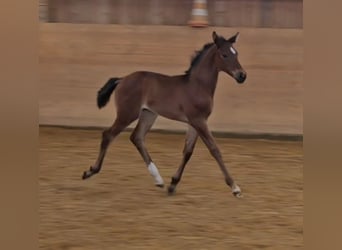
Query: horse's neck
{"x": 205, "y": 74}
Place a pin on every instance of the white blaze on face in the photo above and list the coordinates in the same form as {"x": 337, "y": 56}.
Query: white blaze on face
{"x": 155, "y": 173}
{"x": 233, "y": 50}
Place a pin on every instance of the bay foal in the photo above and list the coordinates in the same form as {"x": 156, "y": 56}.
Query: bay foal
{"x": 186, "y": 98}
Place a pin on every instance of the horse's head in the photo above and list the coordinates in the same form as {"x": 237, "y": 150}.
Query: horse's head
{"x": 226, "y": 58}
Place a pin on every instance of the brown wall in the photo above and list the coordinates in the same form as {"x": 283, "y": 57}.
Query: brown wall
{"x": 229, "y": 13}
{"x": 77, "y": 59}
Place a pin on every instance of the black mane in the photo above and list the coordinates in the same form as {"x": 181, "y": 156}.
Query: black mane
{"x": 197, "y": 57}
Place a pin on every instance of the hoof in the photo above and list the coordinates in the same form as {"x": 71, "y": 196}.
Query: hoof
{"x": 238, "y": 195}
{"x": 86, "y": 175}
{"x": 237, "y": 191}
{"x": 160, "y": 185}
{"x": 171, "y": 190}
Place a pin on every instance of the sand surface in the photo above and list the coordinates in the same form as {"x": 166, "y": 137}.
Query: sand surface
{"x": 120, "y": 208}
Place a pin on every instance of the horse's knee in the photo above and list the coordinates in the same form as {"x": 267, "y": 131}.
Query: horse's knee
{"x": 215, "y": 152}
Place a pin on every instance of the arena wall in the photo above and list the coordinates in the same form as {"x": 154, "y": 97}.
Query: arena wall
{"x": 77, "y": 59}
{"x": 232, "y": 13}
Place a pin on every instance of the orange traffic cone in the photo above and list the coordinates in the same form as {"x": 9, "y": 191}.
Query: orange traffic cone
{"x": 199, "y": 14}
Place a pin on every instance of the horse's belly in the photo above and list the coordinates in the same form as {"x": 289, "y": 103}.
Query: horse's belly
{"x": 172, "y": 112}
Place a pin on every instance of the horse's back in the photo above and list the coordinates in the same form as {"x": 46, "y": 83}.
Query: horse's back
{"x": 137, "y": 84}
{"x": 161, "y": 93}
{"x": 155, "y": 76}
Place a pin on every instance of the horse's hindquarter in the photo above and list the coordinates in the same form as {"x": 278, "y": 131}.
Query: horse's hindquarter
{"x": 129, "y": 93}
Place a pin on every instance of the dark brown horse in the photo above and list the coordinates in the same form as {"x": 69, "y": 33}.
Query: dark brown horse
{"x": 186, "y": 98}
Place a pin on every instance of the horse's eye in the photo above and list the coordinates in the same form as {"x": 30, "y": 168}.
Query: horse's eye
{"x": 224, "y": 55}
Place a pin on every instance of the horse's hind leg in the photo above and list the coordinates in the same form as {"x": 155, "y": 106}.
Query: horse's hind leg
{"x": 146, "y": 120}
{"x": 107, "y": 137}
{"x": 190, "y": 142}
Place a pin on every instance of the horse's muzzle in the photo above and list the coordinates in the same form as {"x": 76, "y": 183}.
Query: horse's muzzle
{"x": 241, "y": 77}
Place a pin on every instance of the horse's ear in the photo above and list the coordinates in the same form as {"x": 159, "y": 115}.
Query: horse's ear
{"x": 217, "y": 39}
{"x": 215, "y": 36}
{"x": 234, "y": 38}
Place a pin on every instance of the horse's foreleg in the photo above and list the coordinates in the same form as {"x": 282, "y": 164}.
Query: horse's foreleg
{"x": 208, "y": 139}
{"x": 146, "y": 120}
{"x": 190, "y": 142}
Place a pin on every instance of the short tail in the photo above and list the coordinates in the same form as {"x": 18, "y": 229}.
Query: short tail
{"x": 105, "y": 92}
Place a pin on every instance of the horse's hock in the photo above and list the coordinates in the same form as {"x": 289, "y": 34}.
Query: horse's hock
{"x": 77, "y": 59}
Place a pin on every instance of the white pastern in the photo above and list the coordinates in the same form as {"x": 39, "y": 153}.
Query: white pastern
{"x": 155, "y": 173}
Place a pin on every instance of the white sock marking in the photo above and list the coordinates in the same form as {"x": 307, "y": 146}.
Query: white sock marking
{"x": 236, "y": 189}
{"x": 155, "y": 173}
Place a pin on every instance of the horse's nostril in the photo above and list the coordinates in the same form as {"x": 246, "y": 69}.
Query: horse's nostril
{"x": 241, "y": 77}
